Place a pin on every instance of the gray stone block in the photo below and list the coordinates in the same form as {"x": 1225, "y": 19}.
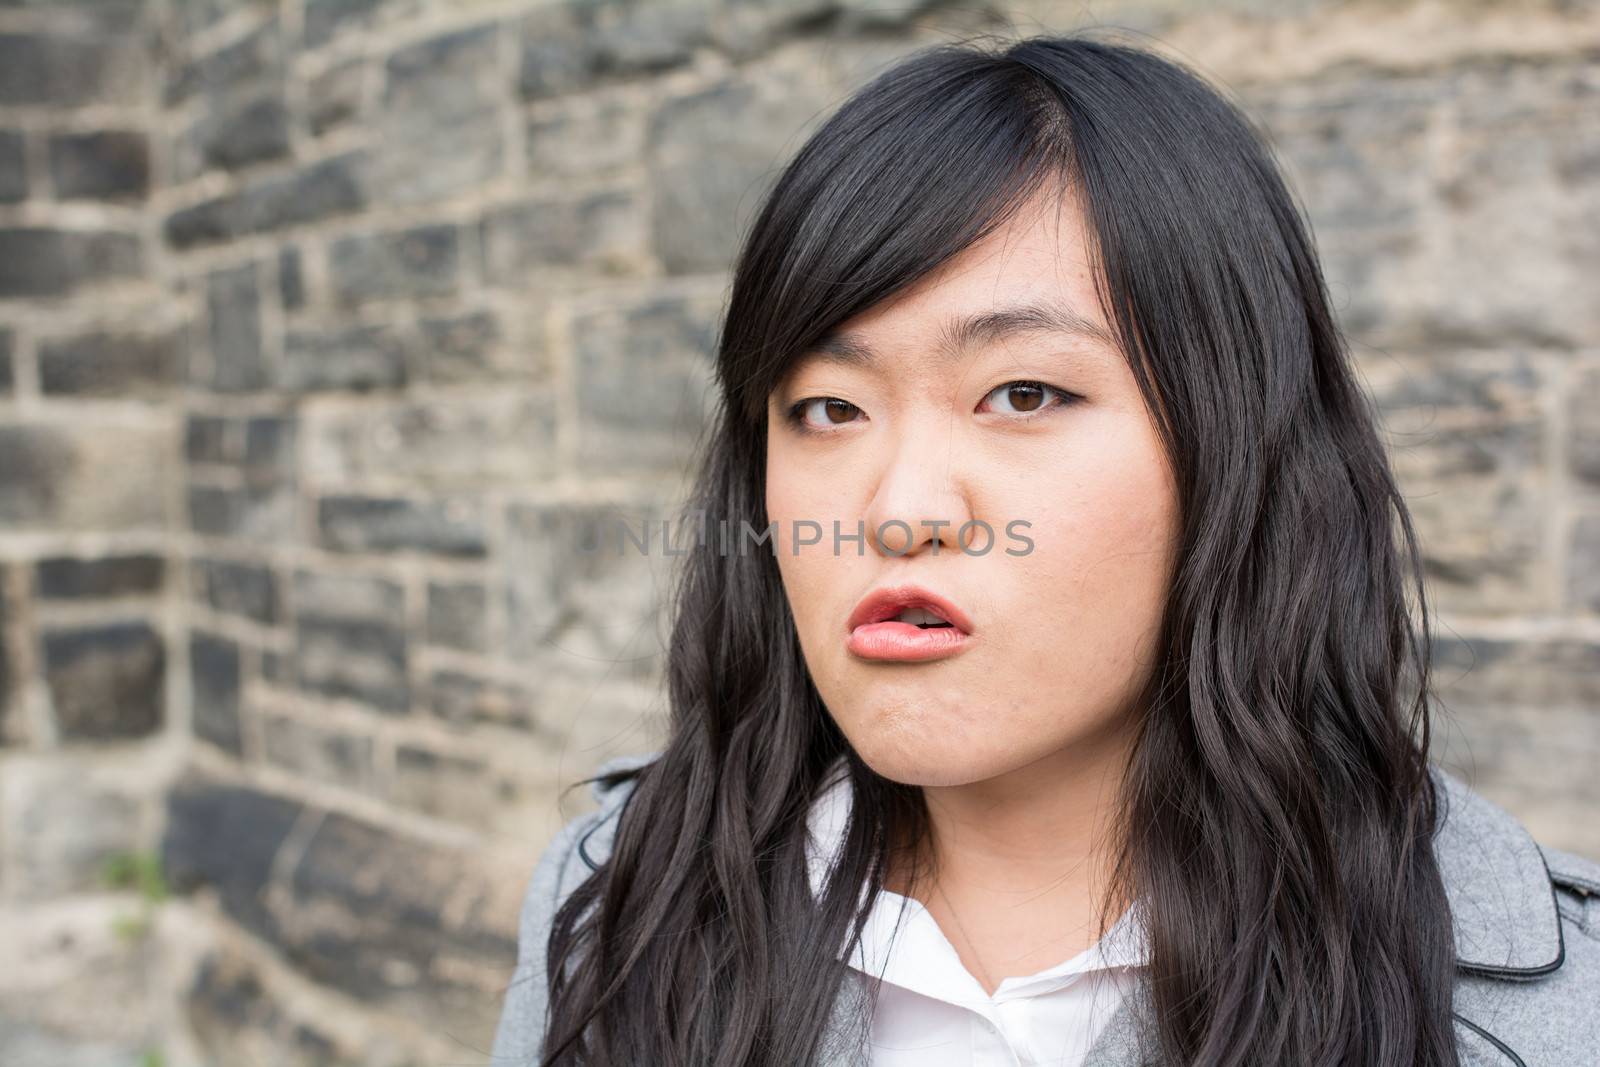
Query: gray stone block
{"x": 291, "y": 278}
{"x": 460, "y": 347}
{"x": 350, "y": 640}
{"x": 13, "y": 167}
{"x": 602, "y": 232}
{"x": 231, "y": 587}
{"x": 104, "y": 578}
{"x": 233, "y": 305}
{"x": 318, "y": 752}
{"x": 236, "y": 131}
{"x": 38, "y": 261}
{"x": 263, "y": 514}
{"x": 456, "y": 615}
{"x": 106, "y": 682}
{"x": 214, "y": 677}
{"x": 326, "y": 18}
{"x": 104, "y": 165}
{"x": 318, "y": 191}
{"x": 335, "y": 96}
{"x": 348, "y": 357}
{"x": 645, "y": 389}
{"x": 107, "y": 363}
{"x": 419, "y": 262}
{"x": 68, "y": 69}
{"x": 257, "y": 54}
{"x": 226, "y": 836}
{"x": 389, "y": 524}
{"x": 712, "y": 156}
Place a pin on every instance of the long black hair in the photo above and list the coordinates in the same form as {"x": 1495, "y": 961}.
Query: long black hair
{"x": 1281, "y": 762}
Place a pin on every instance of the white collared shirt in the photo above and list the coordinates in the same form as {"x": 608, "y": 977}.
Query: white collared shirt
{"x": 932, "y": 1012}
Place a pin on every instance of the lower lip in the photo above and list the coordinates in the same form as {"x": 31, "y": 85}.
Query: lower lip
{"x": 903, "y": 642}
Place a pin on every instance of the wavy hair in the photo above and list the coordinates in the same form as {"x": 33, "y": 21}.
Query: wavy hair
{"x": 1281, "y": 759}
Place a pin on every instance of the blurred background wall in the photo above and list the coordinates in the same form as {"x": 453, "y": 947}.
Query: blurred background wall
{"x": 323, "y": 321}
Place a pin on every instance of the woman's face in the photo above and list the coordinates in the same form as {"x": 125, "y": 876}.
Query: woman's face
{"x": 932, "y": 432}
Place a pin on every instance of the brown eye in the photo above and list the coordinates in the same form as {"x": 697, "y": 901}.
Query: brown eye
{"x": 1025, "y": 398}
{"x": 835, "y": 412}
{"x": 840, "y": 410}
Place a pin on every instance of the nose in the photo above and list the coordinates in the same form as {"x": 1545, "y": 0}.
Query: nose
{"x": 921, "y": 501}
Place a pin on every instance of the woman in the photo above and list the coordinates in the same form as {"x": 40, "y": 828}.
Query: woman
{"x": 1145, "y": 781}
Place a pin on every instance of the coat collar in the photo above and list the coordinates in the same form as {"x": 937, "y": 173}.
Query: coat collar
{"x": 1506, "y": 925}
{"x": 1505, "y": 922}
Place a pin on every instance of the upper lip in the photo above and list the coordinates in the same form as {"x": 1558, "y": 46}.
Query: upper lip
{"x": 883, "y": 604}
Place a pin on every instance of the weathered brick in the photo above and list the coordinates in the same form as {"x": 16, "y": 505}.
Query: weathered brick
{"x": 83, "y": 476}
{"x": 236, "y": 131}
{"x": 318, "y": 191}
{"x": 468, "y": 701}
{"x": 257, "y": 54}
{"x": 456, "y": 616}
{"x": 237, "y": 1015}
{"x": 318, "y": 752}
{"x": 259, "y": 445}
{"x": 558, "y": 51}
{"x": 110, "y": 364}
{"x": 106, "y": 681}
{"x": 334, "y": 96}
{"x": 440, "y": 131}
{"x": 326, "y": 18}
{"x": 233, "y": 303}
{"x": 291, "y": 278}
{"x": 712, "y": 157}
{"x": 381, "y": 909}
{"x": 214, "y": 677}
{"x": 1501, "y": 672}
{"x": 350, "y": 640}
{"x": 104, "y": 165}
{"x": 68, "y": 69}
{"x": 260, "y": 513}
{"x": 1583, "y": 564}
{"x": 447, "y": 443}
{"x": 577, "y": 608}
{"x": 350, "y": 357}
{"x": 226, "y": 836}
{"x": 8, "y": 732}
{"x": 594, "y": 231}
{"x": 231, "y": 587}
{"x": 1465, "y": 435}
{"x": 459, "y": 347}
{"x": 388, "y": 524}
{"x": 460, "y": 788}
{"x": 1583, "y": 434}
{"x": 13, "y": 167}
{"x": 422, "y": 261}
{"x": 644, "y": 383}
{"x": 588, "y": 139}
{"x": 75, "y": 578}
{"x": 7, "y": 373}
{"x": 37, "y": 261}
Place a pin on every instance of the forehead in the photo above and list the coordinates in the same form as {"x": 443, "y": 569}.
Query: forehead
{"x": 1030, "y": 276}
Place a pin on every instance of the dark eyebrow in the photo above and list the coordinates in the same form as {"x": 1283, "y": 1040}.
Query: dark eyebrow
{"x": 964, "y": 334}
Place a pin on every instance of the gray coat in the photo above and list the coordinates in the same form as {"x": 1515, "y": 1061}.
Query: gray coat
{"x": 1526, "y": 917}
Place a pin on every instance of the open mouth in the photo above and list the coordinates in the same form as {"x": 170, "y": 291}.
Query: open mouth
{"x": 922, "y": 618}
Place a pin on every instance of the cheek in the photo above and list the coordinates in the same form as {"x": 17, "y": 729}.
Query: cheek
{"x": 1087, "y": 601}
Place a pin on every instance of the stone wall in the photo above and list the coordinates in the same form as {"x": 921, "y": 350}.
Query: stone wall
{"x": 323, "y": 321}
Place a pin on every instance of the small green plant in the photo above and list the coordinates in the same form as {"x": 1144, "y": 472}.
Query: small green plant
{"x": 152, "y": 1058}
{"x": 140, "y": 871}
